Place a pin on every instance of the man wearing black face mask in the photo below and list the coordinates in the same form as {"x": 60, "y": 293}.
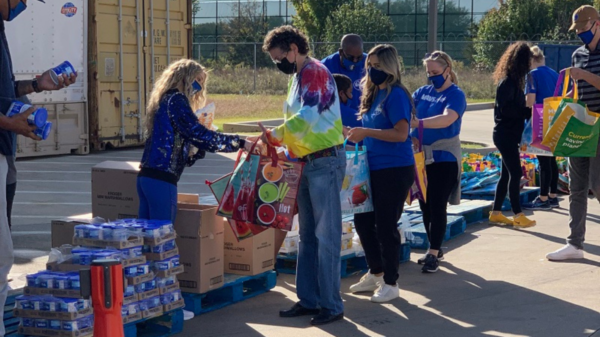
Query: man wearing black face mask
{"x": 583, "y": 172}
{"x": 349, "y": 61}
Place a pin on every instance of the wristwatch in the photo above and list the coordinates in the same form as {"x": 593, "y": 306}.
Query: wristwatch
{"x": 35, "y": 85}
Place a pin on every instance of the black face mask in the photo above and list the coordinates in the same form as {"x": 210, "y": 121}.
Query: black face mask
{"x": 286, "y": 66}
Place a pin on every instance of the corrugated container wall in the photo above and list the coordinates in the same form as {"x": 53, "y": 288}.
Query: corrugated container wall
{"x": 42, "y": 37}
{"x": 130, "y": 44}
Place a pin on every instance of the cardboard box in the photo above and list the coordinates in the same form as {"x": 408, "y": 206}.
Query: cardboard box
{"x": 132, "y": 318}
{"x": 68, "y": 293}
{"x": 148, "y": 294}
{"x": 132, "y": 242}
{"x": 170, "y": 272}
{"x": 251, "y": 256}
{"x": 159, "y": 241}
{"x": 69, "y": 266}
{"x": 154, "y": 312}
{"x": 169, "y": 289}
{"x": 174, "y": 305}
{"x": 63, "y": 230}
{"x": 133, "y": 281}
{"x": 114, "y": 190}
{"x": 161, "y": 256}
{"x": 131, "y": 299}
{"x": 200, "y": 242}
{"x": 63, "y": 316}
{"x": 56, "y": 333}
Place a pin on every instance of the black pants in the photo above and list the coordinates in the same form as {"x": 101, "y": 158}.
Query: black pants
{"x": 510, "y": 180}
{"x": 10, "y": 197}
{"x": 548, "y": 175}
{"x": 441, "y": 180}
{"x": 378, "y": 230}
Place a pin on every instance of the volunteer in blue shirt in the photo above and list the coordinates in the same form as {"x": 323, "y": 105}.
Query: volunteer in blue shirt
{"x": 440, "y": 107}
{"x": 349, "y": 61}
{"x": 541, "y": 83}
{"x": 386, "y": 109}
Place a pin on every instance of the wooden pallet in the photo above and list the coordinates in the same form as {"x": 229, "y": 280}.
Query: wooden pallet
{"x": 165, "y": 325}
{"x": 528, "y": 194}
{"x": 236, "y": 289}
{"x": 350, "y": 264}
{"x": 168, "y": 324}
{"x": 472, "y": 210}
{"x": 456, "y": 226}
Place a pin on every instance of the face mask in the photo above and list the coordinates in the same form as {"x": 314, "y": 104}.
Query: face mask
{"x": 377, "y": 76}
{"x": 587, "y": 37}
{"x": 349, "y": 64}
{"x": 14, "y": 12}
{"x": 196, "y": 87}
{"x": 286, "y": 66}
{"x": 437, "y": 80}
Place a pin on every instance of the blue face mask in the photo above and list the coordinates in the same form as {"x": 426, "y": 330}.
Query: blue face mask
{"x": 587, "y": 37}
{"x": 377, "y": 76}
{"x": 349, "y": 64}
{"x": 14, "y": 12}
{"x": 196, "y": 87}
{"x": 437, "y": 80}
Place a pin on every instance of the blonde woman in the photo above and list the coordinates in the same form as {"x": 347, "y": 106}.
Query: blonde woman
{"x": 171, "y": 128}
{"x": 386, "y": 108}
{"x": 440, "y": 106}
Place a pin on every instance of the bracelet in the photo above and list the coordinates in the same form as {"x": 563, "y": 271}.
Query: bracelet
{"x": 35, "y": 86}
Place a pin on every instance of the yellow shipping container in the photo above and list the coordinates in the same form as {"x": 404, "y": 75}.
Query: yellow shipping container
{"x": 130, "y": 42}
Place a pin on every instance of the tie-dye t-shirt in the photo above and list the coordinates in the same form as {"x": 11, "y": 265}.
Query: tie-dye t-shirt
{"x": 313, "y": 119}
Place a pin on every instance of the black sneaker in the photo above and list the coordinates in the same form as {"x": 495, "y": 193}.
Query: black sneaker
{"x": 554, "y": 202}
{"x": 440, "y": 257}
{"x": 431, "y": 265}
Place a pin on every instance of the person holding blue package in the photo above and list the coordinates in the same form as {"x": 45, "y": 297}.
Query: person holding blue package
{"x": 172, "y": 130}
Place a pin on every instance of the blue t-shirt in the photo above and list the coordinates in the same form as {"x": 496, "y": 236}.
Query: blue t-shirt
{"x": 430, "y": 103}
{"x": 384, "y": 114}
{"x": 333, "y": 63}
{"x": 541, "y": 82}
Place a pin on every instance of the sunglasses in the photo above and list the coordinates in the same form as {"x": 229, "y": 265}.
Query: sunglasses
{"x": 350, "y": 57}
{"x": 433, "y": 55}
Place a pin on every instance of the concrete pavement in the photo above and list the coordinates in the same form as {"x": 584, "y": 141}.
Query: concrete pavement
{"x": 494, "y": 281}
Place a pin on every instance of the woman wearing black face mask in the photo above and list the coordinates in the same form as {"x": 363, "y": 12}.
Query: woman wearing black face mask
{"x": 440, "y": 107}
{"x": 386, "y": 110}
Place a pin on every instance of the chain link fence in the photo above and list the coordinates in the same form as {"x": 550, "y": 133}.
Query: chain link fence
{"x": 242, "y": 67}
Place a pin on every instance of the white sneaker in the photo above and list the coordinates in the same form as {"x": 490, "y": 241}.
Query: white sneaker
{"x": 368, "y": 282}
{"x": 385, "y": 293}
{"x": 568, "y": 252}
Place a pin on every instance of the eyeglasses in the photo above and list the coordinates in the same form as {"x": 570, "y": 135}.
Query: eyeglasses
{"x": 277, "y": 61}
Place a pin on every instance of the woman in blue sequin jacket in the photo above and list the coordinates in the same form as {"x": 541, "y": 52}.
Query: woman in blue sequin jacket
{"x": 173, "y": 130}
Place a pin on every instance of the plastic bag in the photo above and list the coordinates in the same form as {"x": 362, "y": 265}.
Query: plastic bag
{"x": 206, "y": 116}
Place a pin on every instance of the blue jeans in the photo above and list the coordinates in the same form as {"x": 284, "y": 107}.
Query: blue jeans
{"x": 158, "y": 199}
{"x": 320, "y": 215}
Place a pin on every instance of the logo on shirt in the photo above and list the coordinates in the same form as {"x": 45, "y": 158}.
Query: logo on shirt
{"x": 68, "y": 9}
{"x": 356, "y": 85}
{"x": 378, "y": 111}
{"x": 432, "y": 99}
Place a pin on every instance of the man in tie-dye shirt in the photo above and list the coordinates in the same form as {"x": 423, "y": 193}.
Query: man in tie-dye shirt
{"x": 312, "y": 133}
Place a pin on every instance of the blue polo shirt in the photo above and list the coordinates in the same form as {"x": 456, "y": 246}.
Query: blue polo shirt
{"x": 430, "y": 103}
{"x": 386, "y": 112}
{"x": 541, "y": 82}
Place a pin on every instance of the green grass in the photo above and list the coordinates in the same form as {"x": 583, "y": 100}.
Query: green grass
{"x": 471, "y": 146}
{"x": 246, "y": 108}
